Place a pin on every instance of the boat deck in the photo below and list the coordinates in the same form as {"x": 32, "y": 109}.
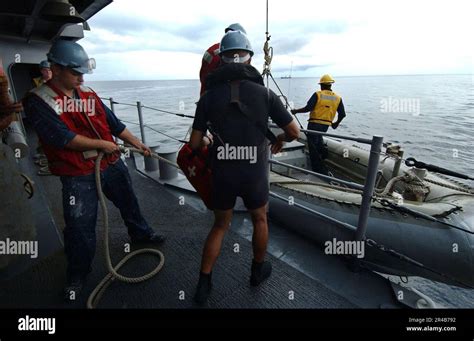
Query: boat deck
{"x": 186, "y": 228}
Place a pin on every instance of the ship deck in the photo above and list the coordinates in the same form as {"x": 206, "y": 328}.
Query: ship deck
{"x": 40, "y": 286}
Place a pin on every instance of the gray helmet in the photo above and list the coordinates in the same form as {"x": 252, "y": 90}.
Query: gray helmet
{"x": 235, "y": 40}
{"x": 235, "y": 27}
{"x": 44, "y": 64}
{"x": 72, "y": 55}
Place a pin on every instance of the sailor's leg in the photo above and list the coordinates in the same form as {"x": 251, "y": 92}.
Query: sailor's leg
{"x": 260, "y": 233}
{"x": 320, "y": 141}
{"x": 313, "y": 142}
{"x": 316, "y": 148}
{"x": 211, "y": 251}
{"x": 260, "y": 270}
{"x": 117, "y": 187}
{"x": 80, "y": 216}
{"x": 213, "y": 244}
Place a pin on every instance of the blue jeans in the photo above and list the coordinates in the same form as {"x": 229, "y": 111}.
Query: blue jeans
{"x": 80, "y": 203}
{"x": 316, "y": 148}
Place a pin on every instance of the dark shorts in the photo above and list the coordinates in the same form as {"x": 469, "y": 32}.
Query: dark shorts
{"x": 228, "y": 183}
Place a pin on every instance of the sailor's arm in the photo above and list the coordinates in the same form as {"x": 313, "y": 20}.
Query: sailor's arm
{"x": 9, "y": 109}
{"x": 341, "y": 114}
{"x": 196, "y": 139}
{"x": 290, "y": 133}
{"x": 7, "y": 113}
{"x": 128, "y": 137}
{"x": 199, "y": 126}
{"x": 299, "y": 111}
{"x": 285, "y": 121}
{"x": 118, "y": 129}
{"x": 47, "y": 123}
{"x": 82, "y": 143}
{"x": 54, "y": 132}
{"x": 309, "y": 106}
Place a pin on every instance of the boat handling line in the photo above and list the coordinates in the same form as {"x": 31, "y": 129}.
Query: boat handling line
{"x": 127, "y": 150}
{"x": 113, "y": 271}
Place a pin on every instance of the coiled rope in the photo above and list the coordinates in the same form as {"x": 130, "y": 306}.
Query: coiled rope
{"x": 113, "y": 274}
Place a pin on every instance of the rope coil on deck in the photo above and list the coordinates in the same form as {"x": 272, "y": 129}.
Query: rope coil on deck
{"x": 113, "y": 274}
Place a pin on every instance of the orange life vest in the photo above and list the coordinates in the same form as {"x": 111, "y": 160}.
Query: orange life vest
{"x": 68, "y": 162}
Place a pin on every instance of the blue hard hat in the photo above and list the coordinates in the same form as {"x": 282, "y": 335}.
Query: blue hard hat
{"x": 44, "y": 64}
{"x": 235, "y": 40}
{"x": 235, "y": 27}
{"x": 72, "y": 55}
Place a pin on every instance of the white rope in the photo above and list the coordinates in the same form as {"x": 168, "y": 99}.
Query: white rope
{"x": 267, "y": 50}
{"x": 389, "y": 185}
{"x": 455, "y": 188}
{"x": 127, "y": 150}
{"x": 113, "y": 274}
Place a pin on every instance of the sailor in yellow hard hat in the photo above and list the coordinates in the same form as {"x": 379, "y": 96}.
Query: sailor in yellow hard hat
{"x": 46, "y": 74}
{"x": 323, "y": 105}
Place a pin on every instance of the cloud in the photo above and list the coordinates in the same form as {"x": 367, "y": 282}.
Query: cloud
{"x": 297, "y": 68}
{"x": 107, "y": 42}
{"x": 124, "y": 24}
{"x": 326, "y": 27}
{"x": 284, "y": 45}
{"x": 162, "y": 39}
{"x": 126, "y": 33}
{"x": 290, "y": 38}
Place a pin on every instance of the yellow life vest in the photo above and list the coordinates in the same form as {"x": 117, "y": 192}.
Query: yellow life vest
{"x": 326, "y": 107}
{"x": 38, "y": 81}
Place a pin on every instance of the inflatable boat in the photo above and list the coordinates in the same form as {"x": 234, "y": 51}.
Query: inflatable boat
{"x": 420, "y": 223}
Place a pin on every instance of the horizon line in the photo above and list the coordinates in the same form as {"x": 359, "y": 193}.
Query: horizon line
{"x": 353, "y": 76}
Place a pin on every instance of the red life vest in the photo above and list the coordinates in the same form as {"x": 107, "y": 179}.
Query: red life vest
{"x": 197, "y": 170}
{"x": 68, "y": 162}
{"x": 210, "y": 61}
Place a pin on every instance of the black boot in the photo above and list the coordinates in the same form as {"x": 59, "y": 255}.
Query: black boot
{"x": 203, "y": 288}
{"x": 260, "y": 272}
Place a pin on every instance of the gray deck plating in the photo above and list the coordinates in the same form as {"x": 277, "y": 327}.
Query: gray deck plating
{"x": 186, "y": 228}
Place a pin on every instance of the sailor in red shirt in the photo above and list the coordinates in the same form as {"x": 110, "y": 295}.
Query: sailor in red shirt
{"x": 74, "y": 125}
{"x": 211, "y": 59}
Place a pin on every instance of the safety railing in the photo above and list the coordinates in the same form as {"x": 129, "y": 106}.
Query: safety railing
{"x": 367, "y": 189}
{"x": 141, "y": 123}
{"x": 376, "y": 144}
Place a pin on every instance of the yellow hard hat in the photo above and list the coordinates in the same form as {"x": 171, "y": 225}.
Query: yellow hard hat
{"x": 326, "y": 79}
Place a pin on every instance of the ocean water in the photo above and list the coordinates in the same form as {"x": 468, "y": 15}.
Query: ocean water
{"x": 431, "y": 116}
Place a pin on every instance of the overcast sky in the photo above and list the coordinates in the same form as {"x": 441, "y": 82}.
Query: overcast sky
{"x": 149, "y": 39}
